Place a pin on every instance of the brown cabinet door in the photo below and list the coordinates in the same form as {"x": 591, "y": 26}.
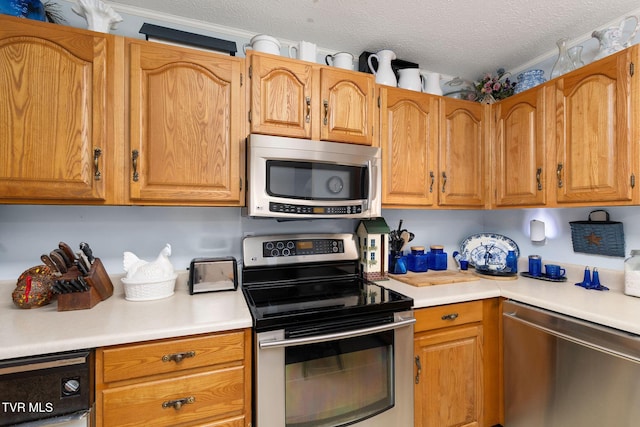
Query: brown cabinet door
{"x": 520, "y": 148}
{"x": 409, "y": 144}
{"x": 594, "y": 148}
{"x": 347, "y": 110}
{"x": 281, "y": 98}
{"x": 448, "y": 389}
{"x": 184, "y": 126}
{"x": 462, "y": 152}
{"x": 55, "y": 112}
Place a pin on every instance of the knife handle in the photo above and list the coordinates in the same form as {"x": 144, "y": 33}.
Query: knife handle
{"x": 49, "y": 263}
{"x": 67, "y": 261}
{"x": 59, "y": 261}
{"x": 67, "y": 251}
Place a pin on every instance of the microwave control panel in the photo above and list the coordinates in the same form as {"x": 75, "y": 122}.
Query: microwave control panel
{"x": 285, "y": 248}
{"x": 315, "y": 210}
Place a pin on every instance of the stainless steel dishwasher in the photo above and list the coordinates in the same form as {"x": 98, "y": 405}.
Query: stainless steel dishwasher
{"x": 560, "y": 371}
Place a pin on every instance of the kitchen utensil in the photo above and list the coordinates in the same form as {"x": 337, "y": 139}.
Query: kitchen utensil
{"x": 611, "y": 40}
{"x": 68, "y": 251}
{"x": 340, "y": 60}
{"x": 305, "y": 51}
{"x": 59, "y": 261}
{"x": 67, "y": 261}
{"x": 263, "y": 43}
{"x": 49, "y": 263}
{"x": 488, "y": 250}
{"x": 384, "y": 73}
{"x": 410, "y": 79}
{"x": 86, "y": 249}
{"x": 430, "y": 278}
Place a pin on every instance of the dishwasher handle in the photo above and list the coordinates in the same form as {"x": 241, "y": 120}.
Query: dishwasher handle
{"x": 596, "y": 337}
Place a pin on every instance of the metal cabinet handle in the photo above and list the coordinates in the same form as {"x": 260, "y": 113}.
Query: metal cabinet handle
{"x": 177, "y": 403}
{"x": 419, "y": 366}
{"x": 326, "y": 112}
{"x": 433, "y": 180}
{"x": 450, "y": 316}
{"x": 538, "y": 173}
{"x": 559, "y": 175}
{"x": 177, "y": 357}
{"x": 96, "y": 155}
{"x": 308, "y": 117}
{"x": 134, "y": 160}
{"x": 444, "y": 181}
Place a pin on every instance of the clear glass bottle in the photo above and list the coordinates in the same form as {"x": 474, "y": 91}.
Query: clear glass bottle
{"x": 632, "y": 274}
{"x": 563, "y": 64}
{"x": 575, "y": 53}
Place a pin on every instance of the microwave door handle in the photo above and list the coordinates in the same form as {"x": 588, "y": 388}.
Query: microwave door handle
{"x": 337, "y": 335}
{"x": 371, "y": 188}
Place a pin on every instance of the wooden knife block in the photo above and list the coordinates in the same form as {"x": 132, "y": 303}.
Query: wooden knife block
{"x": 100, "y": 288}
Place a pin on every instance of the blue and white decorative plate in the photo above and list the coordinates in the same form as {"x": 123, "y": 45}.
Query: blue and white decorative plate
{"x": 488, "y": 250}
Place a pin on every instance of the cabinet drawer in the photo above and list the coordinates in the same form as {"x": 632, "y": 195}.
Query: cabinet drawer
{"x": 135, "y": 361}
{"x": 448, "y": 315}
{"x": 215, "y": 394}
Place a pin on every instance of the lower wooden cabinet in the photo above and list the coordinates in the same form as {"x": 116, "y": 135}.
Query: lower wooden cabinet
{"x": 202, "y": 380}
{"x": 456, "y": 365}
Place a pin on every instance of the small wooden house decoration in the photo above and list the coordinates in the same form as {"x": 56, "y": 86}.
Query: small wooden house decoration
{"x": 373, "y": 244}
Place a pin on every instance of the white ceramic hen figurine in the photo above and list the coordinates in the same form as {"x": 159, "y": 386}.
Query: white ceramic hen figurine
{"x": 140, "y": 270}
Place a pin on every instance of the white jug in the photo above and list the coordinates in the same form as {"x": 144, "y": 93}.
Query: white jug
{"x": 305, "y": 51}
{"x": 431, "y": 83}
{"x": 263, "y": 43}
{"x": 410, "y": 79}
{"x": 340, "y": 60}
{"x": 384, "y": 74}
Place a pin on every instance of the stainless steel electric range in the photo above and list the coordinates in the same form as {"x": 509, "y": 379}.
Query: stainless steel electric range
{"x": 331, "y": 349}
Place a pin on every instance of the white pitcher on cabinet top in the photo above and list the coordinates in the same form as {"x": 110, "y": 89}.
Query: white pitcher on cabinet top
{"x": 384, "y": 74}
{"x": 611, "y": 40}
{"x": 431, "y": 83}
{"x": 410, "y": 79}
{"x": 305, "y": 51}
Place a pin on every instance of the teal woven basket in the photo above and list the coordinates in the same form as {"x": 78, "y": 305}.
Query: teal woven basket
{"x": 598, "y": 237}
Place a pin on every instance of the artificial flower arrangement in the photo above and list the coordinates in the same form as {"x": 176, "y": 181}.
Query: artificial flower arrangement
{"x": 496, "y": 87}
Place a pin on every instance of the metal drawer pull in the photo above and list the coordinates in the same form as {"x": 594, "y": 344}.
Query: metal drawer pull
{"x": 177, "y": 357}
{"x": 444, "y": 181}
{"x": 308, "y": 116}
{"x": 538, "y": 173}
{"x": 419, "y": 365}
{"x": 177, "y": 404}
{"x": 326, "y": 112}
{"x": 452, "y": 316}
{"x": 433, "y": 178}
{"x": 134, "y": 160}
{"x": 559, "y": 175}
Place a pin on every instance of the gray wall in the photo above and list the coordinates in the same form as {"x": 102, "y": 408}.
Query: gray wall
{"x": 27, "y": 231}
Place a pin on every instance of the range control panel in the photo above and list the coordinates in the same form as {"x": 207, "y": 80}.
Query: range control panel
{"x": 285, "y": 249}
{"x": 278, "y": 248}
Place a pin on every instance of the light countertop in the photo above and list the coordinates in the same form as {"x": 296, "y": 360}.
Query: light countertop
{"x": 118, "y": 321}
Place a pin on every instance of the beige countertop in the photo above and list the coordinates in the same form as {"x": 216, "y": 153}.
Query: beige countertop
{"x": 118, "y": 321}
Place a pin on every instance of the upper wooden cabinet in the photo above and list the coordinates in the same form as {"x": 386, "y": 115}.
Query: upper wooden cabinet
{"x": 56, "y": 113}
{"x": 185, "y": 126}
{"x": 305, "y": 100}
{"x": 595, "y": 156}
{"x": 462, "y": 150}
{"x": 519, "y": 150}
{"x": 409, "y": 143}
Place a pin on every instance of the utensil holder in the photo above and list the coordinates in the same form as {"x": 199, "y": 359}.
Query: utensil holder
{"x": 100, "y": 288}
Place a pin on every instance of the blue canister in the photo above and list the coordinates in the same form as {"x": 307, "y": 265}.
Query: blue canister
{"x": 535, "y": 265}
{"x": 512, "y": 262}
{"x": 437, "y": 258}
{"x": 417, "y": 260}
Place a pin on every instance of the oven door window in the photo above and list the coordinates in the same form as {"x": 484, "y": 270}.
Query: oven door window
{"x": 316, "y": 181}
{"x": 339, "y": 382}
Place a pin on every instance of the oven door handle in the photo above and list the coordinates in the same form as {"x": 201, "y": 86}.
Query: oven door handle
{"x": 338, "y": 335}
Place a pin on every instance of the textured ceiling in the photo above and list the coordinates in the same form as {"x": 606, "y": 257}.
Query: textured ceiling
{"x": 454, "y": 37}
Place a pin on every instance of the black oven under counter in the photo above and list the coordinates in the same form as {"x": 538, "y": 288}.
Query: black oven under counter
{"x": 330, "y": 348}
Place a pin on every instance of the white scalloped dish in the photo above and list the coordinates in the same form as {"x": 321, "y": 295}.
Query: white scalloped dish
{"x": 488, "y": 251}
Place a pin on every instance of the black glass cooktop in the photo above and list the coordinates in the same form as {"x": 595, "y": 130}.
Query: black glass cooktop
{"x": 275, "y": 306}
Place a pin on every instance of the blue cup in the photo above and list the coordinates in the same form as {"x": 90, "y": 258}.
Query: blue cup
{"x": 554, "y": 271}
{"x": 535, "y": 265}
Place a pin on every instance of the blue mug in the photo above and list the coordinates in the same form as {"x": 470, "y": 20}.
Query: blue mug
{"x": 554, "y": 271}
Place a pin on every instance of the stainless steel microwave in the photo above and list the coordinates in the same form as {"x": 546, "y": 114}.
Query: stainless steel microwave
{"x": 299, "y": 178}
